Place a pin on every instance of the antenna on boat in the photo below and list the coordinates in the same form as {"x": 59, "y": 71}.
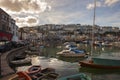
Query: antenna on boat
{"x": 93, "y": 27}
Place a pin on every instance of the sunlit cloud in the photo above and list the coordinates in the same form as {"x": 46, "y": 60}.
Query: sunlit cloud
{"x": 28, "y": 6}
{"x": 39, "y": 12}
{"x": 22, "y": 10}
{"x": 20, "y": 20}
{"x": 32, "y": 20}
{"x": 91, "y": 5}
{"x": 105, "y": 3}
{"x": 28, "y": 21}
{"x": 111, "y": 2}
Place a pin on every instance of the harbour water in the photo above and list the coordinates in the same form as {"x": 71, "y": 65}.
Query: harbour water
{"x": 69, "y": 66}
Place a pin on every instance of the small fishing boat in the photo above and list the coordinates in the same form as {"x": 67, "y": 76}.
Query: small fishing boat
{"x": 69, "y": 53}
{"x": 102, "y": 44}
{"x": 38, "y": 74}
{"x": 45, "y": 74}
{"x": 19, "y": 56}
{"x": 69, "y": 43}
{"x": 101, "y": 63}
{"x": 21, "y": 61}
{"x": 106, "y": 44}
{"x": 21, "y": 76}
{"x": 47, "y": 70}
{"x": 77, "y": 51}
{"x": 34, "y": 69}
{"x": 79, "y": 76}
{"x": 71, "y": 47}
{"x": 15, "y": 77}
{"x": 48, "y": 76}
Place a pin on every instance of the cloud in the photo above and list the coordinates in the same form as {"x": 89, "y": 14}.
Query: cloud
{"x": 27, "y": 21}
{"x": 105, "y": 3}
{"x": 32, "y": 20}
{"x": 22, "y": 10}
{"x": 91, "y": 5}
{"x": 111, "y": 2}
{"x": 10, "y": 5}
{"x": 37, "y": 12}
{"x": 27, "y": 6}
{"x": 20, "y": 20}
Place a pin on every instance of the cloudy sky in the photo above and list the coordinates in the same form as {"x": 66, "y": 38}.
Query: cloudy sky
{"x": 38, "y": 12}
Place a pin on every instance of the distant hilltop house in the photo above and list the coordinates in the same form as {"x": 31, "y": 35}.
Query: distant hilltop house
{"x": 67, "y": 32}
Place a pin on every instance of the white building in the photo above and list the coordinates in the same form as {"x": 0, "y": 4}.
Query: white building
{"x": 14, "y": 29}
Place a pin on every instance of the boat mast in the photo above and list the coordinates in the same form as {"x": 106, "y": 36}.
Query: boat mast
{"x": 93, "y": 27}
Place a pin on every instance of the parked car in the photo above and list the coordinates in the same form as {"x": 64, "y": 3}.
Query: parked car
{"x": 14, "y": 44}
{"x": 5, "y": 46}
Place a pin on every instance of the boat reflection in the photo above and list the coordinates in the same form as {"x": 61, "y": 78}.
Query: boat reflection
{"x": 99, "y": 71}
{"x": 70, "y": 59}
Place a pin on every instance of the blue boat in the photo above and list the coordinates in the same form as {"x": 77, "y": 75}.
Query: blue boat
{"x": 71, "y": 46}
{"x": 78, "y": 51}
{"x": 80, "y": 76}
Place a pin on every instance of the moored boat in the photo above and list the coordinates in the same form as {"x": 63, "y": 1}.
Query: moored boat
{"x": 21, "y": 61}
{"x": 21, "y": 76}
{"x": 101, "y": 63}
{"x": 106, "y": 44}
{"x": 69, "y": 53}
{"x": 35, "y": 73}
{"x": 80, "y": 76}
{"x": 15, "y": 77}
{"x": 47, "y": 74}
{"x": 34, "y": 69}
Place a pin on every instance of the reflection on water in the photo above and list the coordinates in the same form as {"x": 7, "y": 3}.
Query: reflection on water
{"x": 98, "y": 71}
{"x": 63, "y": 68}
{"x": 100, "y": 74}
{"x": 69, "y": 66}
{"x": 103, "y": 49}
{"x": 70, "y": 59}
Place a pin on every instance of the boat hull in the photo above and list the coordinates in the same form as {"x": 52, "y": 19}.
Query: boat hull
{"x": 21, "y": 62}
{"x": 74, "y": 55}
{"x": 21, "y": 76}
{"x": 34, "y": 69}
{"x": 79, "y": 76}
{"x": 98, "y": 66}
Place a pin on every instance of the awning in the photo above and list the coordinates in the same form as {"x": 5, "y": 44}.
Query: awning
{"x": 5, "y": 36}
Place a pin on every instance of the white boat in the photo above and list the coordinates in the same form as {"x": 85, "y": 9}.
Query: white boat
{"x": 69, "y": 43}
{"x": 106, "y": 44}
{"x": 21, "y": 61}
{"x": 71, "y": 47}
{"x": 68, "y": 53}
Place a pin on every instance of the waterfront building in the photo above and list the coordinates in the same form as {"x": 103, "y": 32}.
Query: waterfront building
{"x": 14, "y": 29}
{"x": 8, "y": 27}
{"x": 5, "y": 31}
